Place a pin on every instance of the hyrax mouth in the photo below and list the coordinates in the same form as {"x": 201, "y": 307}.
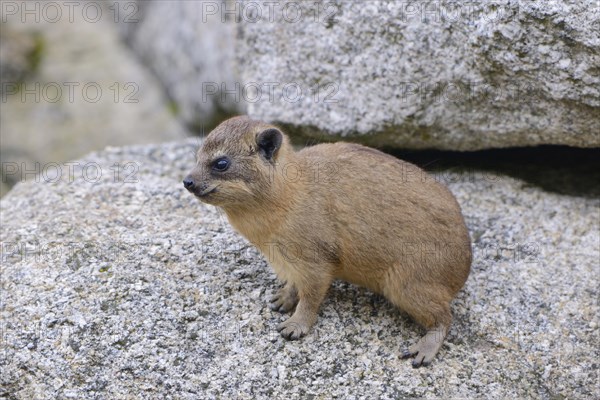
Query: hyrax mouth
{"x": 205, "y": 193}
{"x": 199, "y": 190}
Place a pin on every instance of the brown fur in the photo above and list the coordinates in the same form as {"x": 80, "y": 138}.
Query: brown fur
{"x": 342, "y": 211}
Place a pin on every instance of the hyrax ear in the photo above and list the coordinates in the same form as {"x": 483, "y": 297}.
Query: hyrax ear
{"x": 269, "y": 142}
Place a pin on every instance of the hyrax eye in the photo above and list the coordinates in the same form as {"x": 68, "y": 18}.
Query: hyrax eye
{"x": 221, "y": 164}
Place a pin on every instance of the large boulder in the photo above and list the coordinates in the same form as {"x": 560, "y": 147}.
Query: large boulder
{"x": 86, "y": 91}
{"x": 446, "y": 75}
{"x": 189, "y": 45}
{"x": 443, "y": 75}
{"x": 122, "y": 285}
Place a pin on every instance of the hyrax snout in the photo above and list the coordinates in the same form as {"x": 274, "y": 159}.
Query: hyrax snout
{"x": 338, "y": 211}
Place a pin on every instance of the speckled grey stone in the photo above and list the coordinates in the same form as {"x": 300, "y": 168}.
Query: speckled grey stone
{"x": 127, "y": 287}
{"x": 190, "y": 46}
{"x": 51, "y": 118}
{"x": 447, "y": 75}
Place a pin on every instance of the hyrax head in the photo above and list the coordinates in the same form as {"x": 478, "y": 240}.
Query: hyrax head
{"x": 236, "y": 162}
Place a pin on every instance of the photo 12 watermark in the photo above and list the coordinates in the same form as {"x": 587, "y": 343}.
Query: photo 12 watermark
{"x": 411, "y": 92}
{"x": 53, "y": 12}
{"x": 271, "y": 92}
{"x": 112, "y": 253}
{"x": 254, "y": 12}
{"x": 70, "y": 92}
{"x": 69, "y": 172}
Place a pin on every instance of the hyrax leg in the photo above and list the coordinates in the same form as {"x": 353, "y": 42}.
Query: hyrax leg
{"x": 430, "y": 307}
{"x": 286, "y": 298}
{"x": 427, "y": 347}
{"x": 311, "y": 294}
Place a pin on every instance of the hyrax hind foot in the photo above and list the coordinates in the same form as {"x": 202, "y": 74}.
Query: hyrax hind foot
{"x": 285, "y": 300}
{"x": 427, "y": 347}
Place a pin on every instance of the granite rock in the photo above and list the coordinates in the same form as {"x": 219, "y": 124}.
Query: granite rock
{"x": 445, "y": 75}
{"x": 86, "y": 91}
{"x": 122, "y": 285}
{"x": 190, "y": 46}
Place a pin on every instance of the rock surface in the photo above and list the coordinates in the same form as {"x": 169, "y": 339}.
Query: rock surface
{"x": 441, "y": 75}
{"x": 88, "y": 90}
{"x": 194, "y": 58}
{"x": 125, "y": 286}
{"x": 446, "y": 75}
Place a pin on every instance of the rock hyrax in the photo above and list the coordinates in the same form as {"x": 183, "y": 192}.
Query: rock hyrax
{"x": 338, "y": 211}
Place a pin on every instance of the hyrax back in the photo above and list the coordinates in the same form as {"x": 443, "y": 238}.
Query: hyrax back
{"x": 338, "y": 211}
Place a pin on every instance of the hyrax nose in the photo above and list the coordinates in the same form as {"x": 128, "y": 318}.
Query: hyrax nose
{"x": 188, "y": 183}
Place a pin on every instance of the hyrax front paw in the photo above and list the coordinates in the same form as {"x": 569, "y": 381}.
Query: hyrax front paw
{"x": 293, "y": 328}
{"x": 285, "y": 300}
